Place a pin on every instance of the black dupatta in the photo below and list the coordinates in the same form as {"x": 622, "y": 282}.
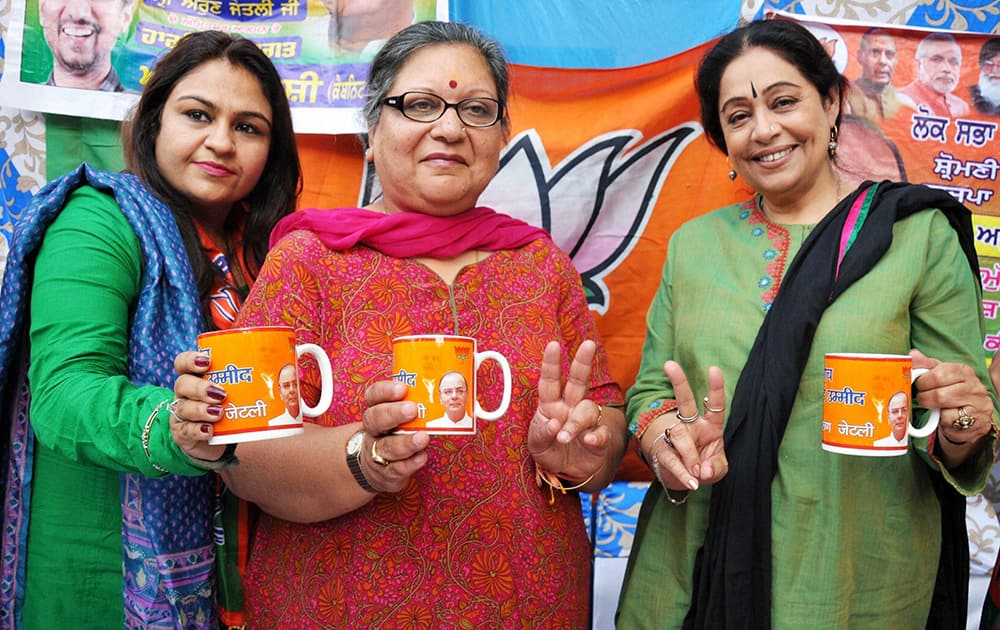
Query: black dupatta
{"x": 732, "y": 577}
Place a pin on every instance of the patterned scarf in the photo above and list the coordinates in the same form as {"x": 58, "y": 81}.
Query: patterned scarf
{"x": 166, "y": 523}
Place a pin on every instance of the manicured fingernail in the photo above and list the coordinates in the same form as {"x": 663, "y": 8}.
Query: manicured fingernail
{"x": 216, "y": 393}
{"x": 214, "y": 410}
{"x": 693, "y": 484}
{"x": 202, "y": 361}
{"x": 205, "y": 428}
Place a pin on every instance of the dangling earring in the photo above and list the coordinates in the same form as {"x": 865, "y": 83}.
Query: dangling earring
{"x": 732, "y": 175}
{"x": 832, "y": 147}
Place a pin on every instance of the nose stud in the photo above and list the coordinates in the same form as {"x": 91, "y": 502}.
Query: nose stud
{"x": 772, "y": 128}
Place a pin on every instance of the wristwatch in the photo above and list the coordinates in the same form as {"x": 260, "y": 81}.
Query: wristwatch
{"x": 354, "y": 461}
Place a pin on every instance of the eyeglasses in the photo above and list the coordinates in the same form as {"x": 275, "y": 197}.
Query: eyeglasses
{"x": 423, "y": 107}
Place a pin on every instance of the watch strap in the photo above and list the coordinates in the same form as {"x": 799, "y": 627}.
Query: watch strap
{"x": 354, "y": 464}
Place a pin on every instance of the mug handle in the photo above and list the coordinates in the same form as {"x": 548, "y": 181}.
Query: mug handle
{"x": 326, "y": 378}
{"x": 932, "y": 421}
{"x": 505, "y": 401}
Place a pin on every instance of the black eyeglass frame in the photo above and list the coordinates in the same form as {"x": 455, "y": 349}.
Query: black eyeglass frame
{"x": 396, "y": 102}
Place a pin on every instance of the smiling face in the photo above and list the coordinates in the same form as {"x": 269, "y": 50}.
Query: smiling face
{"x": 877, "y": 57}
{"x": 776, "y": 126}
{"x": 81, "y": 34}
{"x": 442, "y": 167}
{"x": 215, "y": 134}
{"x": 454, "y": 393}
{"x": 939, "y": 65}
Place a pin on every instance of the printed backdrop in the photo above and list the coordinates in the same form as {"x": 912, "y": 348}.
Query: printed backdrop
{"x": 606, "y": 152}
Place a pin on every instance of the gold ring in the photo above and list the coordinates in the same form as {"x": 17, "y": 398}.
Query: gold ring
{"x": 713, "y": 409}
{"x": 687, "y": 419}
{"x": 666, "y": 434}
{"x": 964, "y": 420}
{"x": 378, "y": 459}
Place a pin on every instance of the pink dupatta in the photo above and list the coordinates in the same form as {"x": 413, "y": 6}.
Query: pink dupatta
{"x": 409, "y": 234}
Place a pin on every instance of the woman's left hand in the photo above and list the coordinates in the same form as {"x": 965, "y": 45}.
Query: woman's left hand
{"x": 954, "y": 388}
{"x": 566, "y": 436}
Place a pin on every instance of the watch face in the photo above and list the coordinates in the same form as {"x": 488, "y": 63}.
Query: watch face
{"x": 354, "y": 444}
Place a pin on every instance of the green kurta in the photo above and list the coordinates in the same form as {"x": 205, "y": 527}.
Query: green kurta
{"x": 855, "y": 539}
{"x": 86, "y": 415}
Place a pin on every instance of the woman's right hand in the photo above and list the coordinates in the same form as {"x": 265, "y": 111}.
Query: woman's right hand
{"x": 695, "y": 452}
{"x": 403, "y": 453}
{"x": 196, "y": 406}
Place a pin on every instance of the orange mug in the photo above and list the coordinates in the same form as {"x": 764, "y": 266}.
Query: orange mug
{"x": 440, "y": 373}
{"x": 257, "y": 368}
{"x": 866, "y": 404}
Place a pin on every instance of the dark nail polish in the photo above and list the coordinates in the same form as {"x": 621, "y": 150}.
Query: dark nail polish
{"x": 214, "y": 410}
{"x": 216, "y": 393}
{"x": 202, "y": 361}
{"x": 205, "y": 428}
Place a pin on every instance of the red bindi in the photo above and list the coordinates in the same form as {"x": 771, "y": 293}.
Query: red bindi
{"x": 453, "y": 83}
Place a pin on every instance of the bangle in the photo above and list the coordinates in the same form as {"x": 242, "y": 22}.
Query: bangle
{"x": 145, "y": 436}
{"x": 638, "y": 437}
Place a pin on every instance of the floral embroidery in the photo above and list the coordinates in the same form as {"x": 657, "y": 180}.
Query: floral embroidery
{"x": 776, "y": 254}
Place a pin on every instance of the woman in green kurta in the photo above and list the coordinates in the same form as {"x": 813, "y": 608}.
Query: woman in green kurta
{"x": 108, "y": 516}
{"x": 752, "y": 524}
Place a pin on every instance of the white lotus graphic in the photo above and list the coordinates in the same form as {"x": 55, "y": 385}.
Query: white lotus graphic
{"x": 596, "y": 202}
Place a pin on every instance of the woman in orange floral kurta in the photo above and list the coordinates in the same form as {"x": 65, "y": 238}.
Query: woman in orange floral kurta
{"x": 455, "y": 531}
{"x": 470, "y": 541}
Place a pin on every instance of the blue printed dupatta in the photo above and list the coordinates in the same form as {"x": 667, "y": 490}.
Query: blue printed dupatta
{"x": 166, "y": 523}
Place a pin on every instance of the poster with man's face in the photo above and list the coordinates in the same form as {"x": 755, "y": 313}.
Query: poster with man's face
{"x": 321, "y": 48}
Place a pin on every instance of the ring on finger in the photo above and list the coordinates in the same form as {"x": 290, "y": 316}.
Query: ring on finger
{"x": 713, "y": 409}
{"x": 666, "y": 433}
{"x": 378, "y": 459}
{"x": 964, "y": 420}
{"x": 174, "y": 404}
{"x": 687, "y": 419}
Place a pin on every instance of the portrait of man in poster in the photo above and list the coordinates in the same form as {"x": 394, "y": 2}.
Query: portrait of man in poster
{"x": 81, "y": 35}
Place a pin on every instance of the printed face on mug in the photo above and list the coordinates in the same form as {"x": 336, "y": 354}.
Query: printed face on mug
{"x": 257, "y": 368}
{"x": 440, "y": 372}
{"x": 867, "y": 405}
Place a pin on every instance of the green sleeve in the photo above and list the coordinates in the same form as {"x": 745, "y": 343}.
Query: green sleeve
{"x": 86, "y": 283}
{"x": 947, "y": 324}
{"x": 651, "y": 385}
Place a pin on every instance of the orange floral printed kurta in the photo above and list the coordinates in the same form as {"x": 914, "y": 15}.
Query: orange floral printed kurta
{"x": 472, "y": 542}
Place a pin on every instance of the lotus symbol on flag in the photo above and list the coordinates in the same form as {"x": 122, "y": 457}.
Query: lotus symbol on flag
{"x": 596, "y": 202}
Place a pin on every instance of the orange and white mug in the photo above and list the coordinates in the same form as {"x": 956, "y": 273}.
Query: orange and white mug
{"x": 440, "y": 373}
{"x": 866, "y": 404}
{"x": 257, "y": 368}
